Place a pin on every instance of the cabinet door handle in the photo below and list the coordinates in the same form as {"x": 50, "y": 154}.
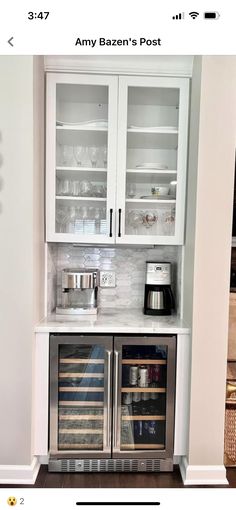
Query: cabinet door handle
{"x": 119, "y": 224}
{"x": 108, "y": 431}
{"x": 111, "y": 213}
{"x": 116, "y": 424}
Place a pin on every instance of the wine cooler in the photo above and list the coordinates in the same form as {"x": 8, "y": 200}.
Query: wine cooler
{"x": 111, "y": 403}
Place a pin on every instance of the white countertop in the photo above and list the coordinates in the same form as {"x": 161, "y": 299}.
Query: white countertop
{"x": 112, "y": 320}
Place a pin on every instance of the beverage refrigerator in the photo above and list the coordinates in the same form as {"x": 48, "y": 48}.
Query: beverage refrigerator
{"x": 111, "y": 402}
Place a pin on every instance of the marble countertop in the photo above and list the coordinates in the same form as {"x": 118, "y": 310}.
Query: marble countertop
{"x": 112, "y": 320}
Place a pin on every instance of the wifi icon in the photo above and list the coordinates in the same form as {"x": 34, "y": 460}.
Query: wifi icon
{"x": 194, "y": 14}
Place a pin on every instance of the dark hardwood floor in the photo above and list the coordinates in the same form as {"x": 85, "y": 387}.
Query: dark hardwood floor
{"x": 114, "y": 480}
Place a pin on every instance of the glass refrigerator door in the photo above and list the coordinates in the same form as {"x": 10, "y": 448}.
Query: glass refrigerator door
{"x": 81, "y": 399}
{"x": 145, "y": 388}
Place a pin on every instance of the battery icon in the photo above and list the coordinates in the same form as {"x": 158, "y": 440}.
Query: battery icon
{"x": 211, "y": 15}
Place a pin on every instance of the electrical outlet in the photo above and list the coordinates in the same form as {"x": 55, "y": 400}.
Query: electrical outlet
{"x": 107, "y": 279}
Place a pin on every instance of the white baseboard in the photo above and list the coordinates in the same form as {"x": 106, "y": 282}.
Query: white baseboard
{"x": 22, "y": 474}
{"x": 202, "y": 475}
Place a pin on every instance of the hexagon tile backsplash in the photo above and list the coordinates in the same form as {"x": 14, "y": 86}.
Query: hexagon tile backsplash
{"x": 128, "y": 264}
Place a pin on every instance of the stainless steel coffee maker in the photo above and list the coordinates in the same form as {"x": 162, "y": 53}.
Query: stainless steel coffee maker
{"x": 79, "y": 289}
{"x": 158, "y": 296}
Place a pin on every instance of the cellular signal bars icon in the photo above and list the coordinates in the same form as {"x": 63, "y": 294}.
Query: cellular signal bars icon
{"x": 179, "y": 16}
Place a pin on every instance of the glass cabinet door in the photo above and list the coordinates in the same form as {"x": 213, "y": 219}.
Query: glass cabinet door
{"x": 80, "y": 397}
{"x": 152, "y": 152}
{"x": 81, "y": 152}
{"x": 145, "y": 377}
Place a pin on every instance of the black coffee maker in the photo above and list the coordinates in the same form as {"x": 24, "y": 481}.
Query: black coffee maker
{"x": 158, "y": 296}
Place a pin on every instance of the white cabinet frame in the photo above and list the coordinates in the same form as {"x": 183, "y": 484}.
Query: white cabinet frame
{"x": 139, "y": 81}
{"x": 112, "y": 83}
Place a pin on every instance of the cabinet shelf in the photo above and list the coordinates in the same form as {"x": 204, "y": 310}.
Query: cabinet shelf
{"x": 144, "y": 418}
{"x": 79, "y": 375}
{"x": 80, "y": 403}
{"x": 158, "y": 131}
{"x": 143, "y": 361}
{"x": 81, "y": 431}
{"x": 143, "y": 446}
{"x": 150, "y": 200}
{"x": 145, "y": 171}
{"x": 82, "y": 360}
{"x": 88, "y": 389}
{"x": 81, "y": 128}
{"x": 81, "y": 417}
{"x": 143, "y": 390}
{"x": 85, "y": 199}
{"x": 79, "y": 446}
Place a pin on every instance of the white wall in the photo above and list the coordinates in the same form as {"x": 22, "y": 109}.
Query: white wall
{"x": 208, "y": 260}
{"x": 21, "y": 131}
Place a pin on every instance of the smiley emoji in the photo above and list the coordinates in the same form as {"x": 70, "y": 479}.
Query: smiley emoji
{"x": 12, "y": 501}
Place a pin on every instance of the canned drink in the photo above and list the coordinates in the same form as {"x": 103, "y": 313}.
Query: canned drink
{"x": 152, "y": 428}
{"x": 127, "y": 398}
{"x": 136, "y": 396}
{"x": 133, "y": 375}
{"x": 156, "y": 373}
{"x": 143, "y": 376}
{"x": 154, "y": 395}
{"x": 138, "y": 428}
{"x": 150, "y": 370}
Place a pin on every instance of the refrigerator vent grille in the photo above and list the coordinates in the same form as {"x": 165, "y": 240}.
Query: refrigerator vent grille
{"x": 68, "y": 465}
{"x": 110, "y": 465}
{"x": 153, "y": 465}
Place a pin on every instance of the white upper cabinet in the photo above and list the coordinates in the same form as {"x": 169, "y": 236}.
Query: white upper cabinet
{"x": 152, "y": 157}
{"x": 81, "y": 158}
{"x": 116, "y": 159}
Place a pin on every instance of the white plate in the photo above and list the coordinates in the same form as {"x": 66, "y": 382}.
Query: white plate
{"x": 157, "y": 197}
{"x": 162, "y": 128}
{"x": 96, "y": 122}
{"x": 152, "y": 166}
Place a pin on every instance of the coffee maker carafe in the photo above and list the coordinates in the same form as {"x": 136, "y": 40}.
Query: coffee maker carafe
{"x": 79, "y": 288}
{"x": 158, "y": 296}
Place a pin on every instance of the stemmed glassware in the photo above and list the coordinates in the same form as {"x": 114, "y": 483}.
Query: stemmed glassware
{"x": 149, "y": 218}
{"x": 93, "y": 153}
{"x": 79, "y": 154}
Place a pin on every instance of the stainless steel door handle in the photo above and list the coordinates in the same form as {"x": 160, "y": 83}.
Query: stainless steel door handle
{"x": 108, "y": 432}
{"x": 116, "y": 398}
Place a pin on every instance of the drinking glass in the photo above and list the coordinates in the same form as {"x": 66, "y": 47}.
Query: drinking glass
{"x": 86, "y": 188}
{"x": 75, "y": 188}
{"x": 84, "y": 216}
{"x": 104, "y": 153}
{"x": 79, "y": 153}
{"x": 97, "y": 217}
{"x": 71, "y": 220}
{"x": 93, "y": 155}
{"x": 66, "y": 187}
{"x": 131, "y": 189}
{"x": 61, "y": 219}
{"x": 67, "y": 155}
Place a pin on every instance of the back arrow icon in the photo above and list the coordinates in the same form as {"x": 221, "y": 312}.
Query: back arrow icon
{"x": 10, "y": 41}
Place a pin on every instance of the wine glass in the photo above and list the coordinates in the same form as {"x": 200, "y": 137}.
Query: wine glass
{"x": 149, "y": 218}
{"x": 79, "y": 152}
{"x": 93, "y": 155}
{"x": 135, "y": 220}
{"x": 168, "y": 223}
{"x": 61, "y": 219}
